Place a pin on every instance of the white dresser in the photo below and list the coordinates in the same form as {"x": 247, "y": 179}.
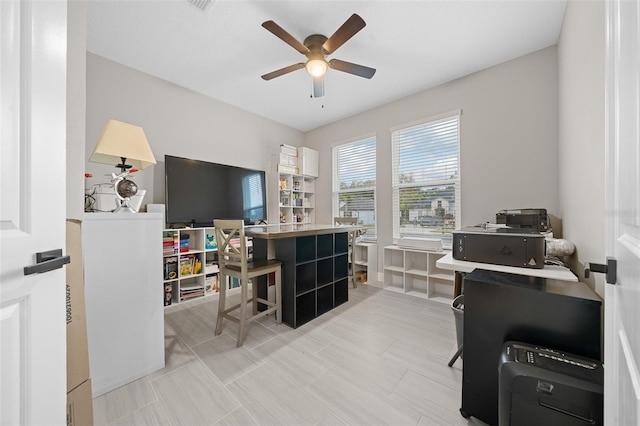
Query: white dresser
{"x": 125, "y": 317}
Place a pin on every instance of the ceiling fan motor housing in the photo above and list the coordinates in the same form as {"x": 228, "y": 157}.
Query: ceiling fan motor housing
{"x": 314, "y": 43}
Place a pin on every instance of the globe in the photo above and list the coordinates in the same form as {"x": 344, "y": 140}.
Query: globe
{"x": 127, "y": 188}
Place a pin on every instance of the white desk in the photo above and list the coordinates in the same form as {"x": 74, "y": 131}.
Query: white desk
{"x": 460, "y": 266}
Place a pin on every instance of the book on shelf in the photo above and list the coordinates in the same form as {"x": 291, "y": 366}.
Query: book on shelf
{"x": 210, "y": 243}
{"x": 197, "y": 266}
{"x": 190, "y": 291}
{"x": 168, "y": 294}
{"x": 186, "y": 265}
{"x": 170, "y": 243}
{"x": 211, "y": 283}
{"x": 191, "y": 295}
{"x": 170, "y": 268}
{"x": 190, "y": 287}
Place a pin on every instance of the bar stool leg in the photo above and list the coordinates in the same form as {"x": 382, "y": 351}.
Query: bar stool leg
{"x": 279, "y": 295}
{"x": 221, "y": 303}
{"x": 243, "y": 312}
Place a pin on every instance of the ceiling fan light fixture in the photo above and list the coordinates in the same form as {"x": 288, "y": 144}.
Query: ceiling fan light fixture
{"x": 316, "y": 67}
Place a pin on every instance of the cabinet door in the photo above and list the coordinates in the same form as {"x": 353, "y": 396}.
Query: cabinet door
{"x": 125, "y": 319}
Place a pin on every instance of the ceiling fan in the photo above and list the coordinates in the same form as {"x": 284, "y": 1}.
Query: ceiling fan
{"x": 316, "y": 47}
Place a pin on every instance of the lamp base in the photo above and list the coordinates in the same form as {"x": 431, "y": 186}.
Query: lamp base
{"x": 124, "y": 207}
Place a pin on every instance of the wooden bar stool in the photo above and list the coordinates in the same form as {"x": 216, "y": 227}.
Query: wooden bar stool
{"x": 351, "y": 221}
{"x": 233, "y": 262}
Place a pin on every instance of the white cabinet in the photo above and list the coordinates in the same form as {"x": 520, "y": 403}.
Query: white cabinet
{"x": 125, "y": 319}
{"x": 189, "y": 264}
{"x": 415, "y": 272}
{"x": 296, "y": 198}
{"x": 365, "y": 267}
{"x": 308, "y": 161}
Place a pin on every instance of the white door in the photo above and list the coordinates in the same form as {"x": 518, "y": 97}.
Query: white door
{"x": 622, "y": 300}
{"x": 33, "y": 44}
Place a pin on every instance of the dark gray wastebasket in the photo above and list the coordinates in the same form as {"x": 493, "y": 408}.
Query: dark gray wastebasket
{"x": 457, "y": 306}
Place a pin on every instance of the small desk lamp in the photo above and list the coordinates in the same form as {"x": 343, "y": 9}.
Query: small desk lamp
{"x": 123, "y": 142}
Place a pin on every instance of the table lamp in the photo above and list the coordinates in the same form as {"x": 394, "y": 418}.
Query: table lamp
{"x": 123, "y": 142}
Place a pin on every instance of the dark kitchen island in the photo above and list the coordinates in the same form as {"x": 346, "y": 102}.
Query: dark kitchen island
{"x": 315, "y": 267}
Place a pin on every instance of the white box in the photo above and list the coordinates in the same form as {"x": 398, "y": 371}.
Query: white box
{"x": 288, "y": 149}
{"x": 431, "y": 244}
{"x": 287, "y": 169}
{"x": 288, "y": 160}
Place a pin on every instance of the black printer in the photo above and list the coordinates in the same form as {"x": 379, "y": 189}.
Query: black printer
{"x": 542, "y": 386}
{"x": 500, "y": 246}
{"x": 535, "y": 219}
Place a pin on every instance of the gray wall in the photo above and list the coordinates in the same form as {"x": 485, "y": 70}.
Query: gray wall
{"x": 532, "y": 132}
{"x": 177, "y": 122}
{"x": 76, "y": 106}
{"x": 508, "y": 140}
{"x": 582, "y": 134}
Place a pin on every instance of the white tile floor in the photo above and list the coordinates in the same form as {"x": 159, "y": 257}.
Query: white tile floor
{"x": 379, "y": 359}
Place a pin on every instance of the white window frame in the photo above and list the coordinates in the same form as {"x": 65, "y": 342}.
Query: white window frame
{"x": 336, "y": 191}
{"x": 396, "y": 185}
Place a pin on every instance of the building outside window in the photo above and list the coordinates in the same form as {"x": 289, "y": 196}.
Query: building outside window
{"x": 426, "y": 178}
{"x": 354, "y": 182}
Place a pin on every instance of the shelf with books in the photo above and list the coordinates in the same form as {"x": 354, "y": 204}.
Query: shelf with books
{"x": 296, "y": 198}
{"x": 189, "y": 264}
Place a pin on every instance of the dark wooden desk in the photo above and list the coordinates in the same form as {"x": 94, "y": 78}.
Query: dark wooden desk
{"x": 499, "y": 307}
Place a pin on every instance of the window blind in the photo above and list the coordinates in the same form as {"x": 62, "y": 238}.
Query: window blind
{"x": 426, "y": 179}
{"x": 354, "y": 182}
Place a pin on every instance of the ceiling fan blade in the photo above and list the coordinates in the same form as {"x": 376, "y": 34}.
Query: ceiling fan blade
{"x": 279, "y": 32}
{"x": 283, "y": 71}
{"x": 351, "y": 68}
{"x": 318, "y": 86}
{"x": 351, "y": 26}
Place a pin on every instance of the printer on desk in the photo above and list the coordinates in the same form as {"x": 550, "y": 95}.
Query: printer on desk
{"x": 515, "y": 240}
{"x": 500, "y": 246}
{"x": 534, "y": 219}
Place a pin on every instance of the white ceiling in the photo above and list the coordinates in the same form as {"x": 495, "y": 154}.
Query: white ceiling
{"x": 223, "y": 51}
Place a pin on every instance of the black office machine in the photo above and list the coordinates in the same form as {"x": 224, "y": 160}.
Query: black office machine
{"x": 501, "y": 307}
{"x": 535, "y": 219}
{"x": 500, "y": 246}
{"x": 542, "y": 386}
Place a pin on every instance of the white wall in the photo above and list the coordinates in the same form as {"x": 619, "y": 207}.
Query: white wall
{"x": 581, "y": 129}
{"x": 177, "y": 122}
{"x": 509, "y": 140}
{"x": 76, "y": 106}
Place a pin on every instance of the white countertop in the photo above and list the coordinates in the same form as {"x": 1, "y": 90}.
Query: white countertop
{"x": 549, "y": 271}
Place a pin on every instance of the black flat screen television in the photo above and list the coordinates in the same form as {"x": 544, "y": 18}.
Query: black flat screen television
{"x": 197, "y": 192}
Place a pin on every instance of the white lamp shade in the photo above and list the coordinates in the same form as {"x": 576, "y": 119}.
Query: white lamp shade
{"x": 316, "y": 67}
{"x": 119, "y": 139}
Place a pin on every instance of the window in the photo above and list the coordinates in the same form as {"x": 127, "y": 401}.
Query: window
{"x": 426, "y": 178}
{"x": 354, "y": 182}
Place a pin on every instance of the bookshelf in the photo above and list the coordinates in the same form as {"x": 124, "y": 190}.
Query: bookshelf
{"x": 295, "y": 172}
{"x": 190, "y": 265}
{"x": 296, "y": 198}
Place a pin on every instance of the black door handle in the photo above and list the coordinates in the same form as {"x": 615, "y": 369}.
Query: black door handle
{"x": 47, "y": 261}
{"x": 610, "y": 269}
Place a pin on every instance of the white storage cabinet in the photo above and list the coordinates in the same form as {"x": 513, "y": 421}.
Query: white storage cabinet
{"x": 366, "y": 263}
{"x": 415, "y": 272}
{"x": 125, "y": 319}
